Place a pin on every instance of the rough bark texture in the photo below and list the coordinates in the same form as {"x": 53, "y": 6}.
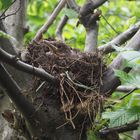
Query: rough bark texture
{"x": 15, "y": 26}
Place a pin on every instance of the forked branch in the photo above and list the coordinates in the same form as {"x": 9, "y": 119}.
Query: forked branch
{"x": 110, "y": 81}
{"x": 50, "y": 21}
{"x": 15, "y": 62}
{"x": 120, "y": 39}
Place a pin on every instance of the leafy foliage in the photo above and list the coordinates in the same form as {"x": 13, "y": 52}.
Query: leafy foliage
{"x": 5, "y": 4}
{"x": 119, "y": 15}
{"x": 122, "y": 116}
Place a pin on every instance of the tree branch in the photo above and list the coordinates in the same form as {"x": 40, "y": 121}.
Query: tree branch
{"x": 120, "y": 129}
{"x": 36, "y": 120}
{"x": 120, "y": 39}
{"x": 125, "y": 88}
{"x": 2, "y": 16}
{"x": 89, "y": 18}
{"x": 91, "y": 38}
{"x": 60, "y": 27}
{"x": 110, "y": 81}
{"x": 6, "y": 43}
{"x": 73, "y": 5}
{"x": 70, "y": 4}
{"x": 14, "y": 92}
{"x": 90, "y": 5}
{"x": 50, "y": 21}
{"x": 21, "y": 78}
{"x": 15, "y": 62}
{"x": 90, "y": 23}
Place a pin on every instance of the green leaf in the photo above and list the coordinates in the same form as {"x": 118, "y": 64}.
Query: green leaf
{"x": 6, "y": 3}
{"x": 36, "y": 19}
{"x": 91, "y": 135}
{"x": 0, "y": 5}
{"x": 70, "y": 13}
{"x": 5, "y": 35}
{"x": 134, "y": 100}
{"x": 122, "y": 116}
{"x": 132, "y": 57}
{"x": 124, "y": 77}
{"x": 118, "y": 49}
{"x": 132, "y": 79}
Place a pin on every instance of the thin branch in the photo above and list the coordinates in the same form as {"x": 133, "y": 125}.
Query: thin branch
{"x": 127, "y": 94}
{"x": 70, "y": 4}
{"x": 73, "y": 5}
{"x": 110, "y": 24}
{"x": 50, "y": 21}
{"x": 120, "y": 129}
{"x": 15, "y": 62}
{"x": 60, "y": 27}
{"x": 120, "y": 39}
{"x": 110, "y": 81}
{"x": 3, "y": 16}
{"x": 125, "y": 88}
{"x": 121, "y": 98}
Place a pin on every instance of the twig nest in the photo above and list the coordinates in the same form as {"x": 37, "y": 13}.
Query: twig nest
{"x": 80, "y": 77}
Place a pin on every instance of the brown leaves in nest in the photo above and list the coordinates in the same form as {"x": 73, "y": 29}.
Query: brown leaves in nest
{"x": 80, "y": 76}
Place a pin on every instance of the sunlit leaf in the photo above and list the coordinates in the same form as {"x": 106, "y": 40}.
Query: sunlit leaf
{"x": 70, "y": 13}
{"x": 0, "y": 5}
{"x": 132, "y": 79}
{"x": 122, "y": 116}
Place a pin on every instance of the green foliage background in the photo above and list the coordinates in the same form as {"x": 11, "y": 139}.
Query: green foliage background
{"x": 121, "y": 14}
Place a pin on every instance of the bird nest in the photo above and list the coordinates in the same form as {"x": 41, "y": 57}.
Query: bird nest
{"x": 77, "y": 94}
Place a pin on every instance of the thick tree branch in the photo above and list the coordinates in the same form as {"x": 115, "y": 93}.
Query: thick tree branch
{"x": 89, "y": 18}
{"x": 125, "y": 88}
{"x": 20, "y": 77}
{"x": 90, "y": 23}
{"x": 91, "y": 38}
{"x": 14, "y": 92}
{"x": 15, "y": 62}
{"x": 120, "y": 39}
{"x": 50, "y": 21}
{"x": 110, "y": 81}
{"x": 35, "y": 119}
{"x": 90, "y": 5}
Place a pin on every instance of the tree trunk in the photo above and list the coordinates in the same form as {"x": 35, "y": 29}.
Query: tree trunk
{"x": 15, "y": 26}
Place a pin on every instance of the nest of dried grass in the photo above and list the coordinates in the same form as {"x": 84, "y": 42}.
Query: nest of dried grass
{"x": 80, "y": 77}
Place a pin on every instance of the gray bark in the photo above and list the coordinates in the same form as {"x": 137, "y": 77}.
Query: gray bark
{"x": 15, "y": 26}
